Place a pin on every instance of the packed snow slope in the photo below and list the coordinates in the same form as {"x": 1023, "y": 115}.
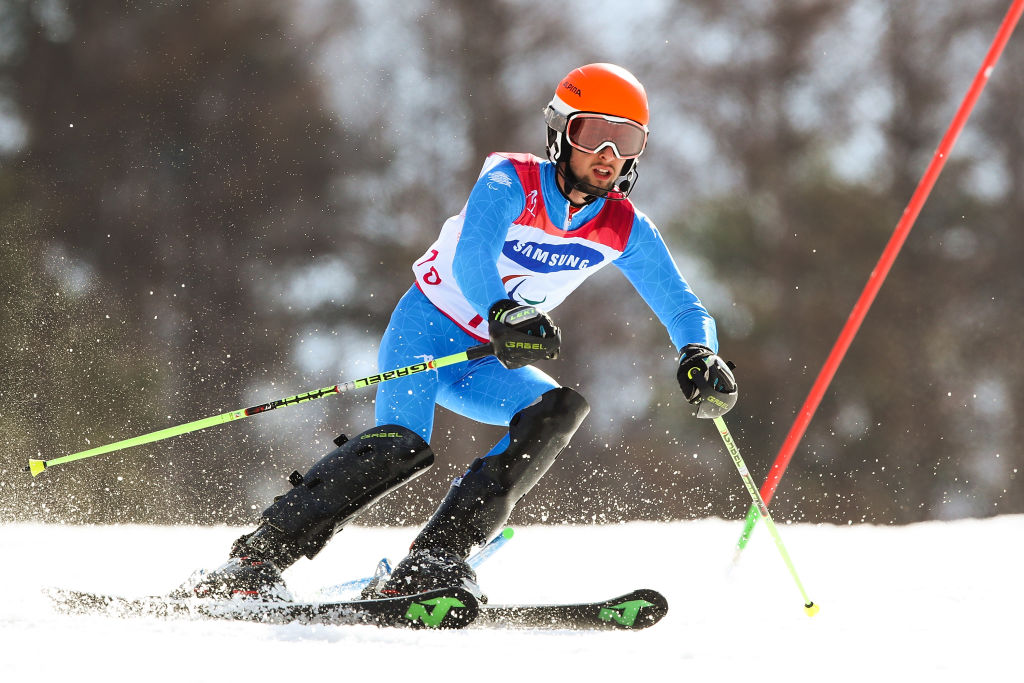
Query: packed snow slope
{"x": 932, "y": 602}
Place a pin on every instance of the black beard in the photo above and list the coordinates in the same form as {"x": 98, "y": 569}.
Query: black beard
{"x": 571, "y": 182}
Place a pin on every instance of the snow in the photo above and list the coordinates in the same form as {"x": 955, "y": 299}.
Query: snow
{"x": 937, "y": 601}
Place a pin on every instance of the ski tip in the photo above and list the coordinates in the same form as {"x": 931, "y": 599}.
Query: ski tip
{"x": 653, "y": 608}
{"x": 35, "y": 466}
{"x": 635, "y": 610}
{"x": 649, "y": 594}
{"x": 508, "y": 533}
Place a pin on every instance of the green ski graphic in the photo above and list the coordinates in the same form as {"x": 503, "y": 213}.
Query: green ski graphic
{"x": 434, "y": 617}
{"x": 627, "y": 615}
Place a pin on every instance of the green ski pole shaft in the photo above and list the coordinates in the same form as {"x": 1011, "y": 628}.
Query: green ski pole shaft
{"x": 753, "y": 515}
{"x": 36, "y": 466}
{"x": 734, "y": 452}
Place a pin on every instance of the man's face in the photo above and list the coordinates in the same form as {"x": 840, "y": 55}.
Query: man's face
{"x": 600, "y": 169}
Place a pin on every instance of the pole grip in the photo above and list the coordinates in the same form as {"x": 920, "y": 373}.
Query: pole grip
{"x": 481, "y": 351}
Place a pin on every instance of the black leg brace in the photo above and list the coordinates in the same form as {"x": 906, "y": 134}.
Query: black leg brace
{"x": 335, "y": 491}
{"x": 480, "y": 502}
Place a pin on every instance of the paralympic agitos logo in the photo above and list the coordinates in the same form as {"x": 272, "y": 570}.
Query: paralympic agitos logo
{"x": 551, "y": 258}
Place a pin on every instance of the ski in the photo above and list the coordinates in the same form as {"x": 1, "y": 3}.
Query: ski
{"x": 445, "y": 608}
{"x": 437, "y": 609}
{"x": 635, "y": 610}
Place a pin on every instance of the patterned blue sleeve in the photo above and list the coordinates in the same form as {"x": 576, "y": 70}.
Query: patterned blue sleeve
{"x": 648, "y": 265}
{"x": 497, "y": 199}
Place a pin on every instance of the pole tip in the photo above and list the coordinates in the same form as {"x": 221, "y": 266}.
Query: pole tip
{"x": 35, "y": 466}
{"x": 811, "y": 609}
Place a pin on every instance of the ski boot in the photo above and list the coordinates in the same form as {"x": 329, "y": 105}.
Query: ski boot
{"x": 425, "y": 569}
{"x": 247, "y": 578}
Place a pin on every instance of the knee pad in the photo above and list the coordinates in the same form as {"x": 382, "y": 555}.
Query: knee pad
{"x": 480, "y": 502}
{"x": 537, "y": 434}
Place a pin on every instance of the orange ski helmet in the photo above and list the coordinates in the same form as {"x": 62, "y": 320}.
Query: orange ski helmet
{"x": 614, "y": 104}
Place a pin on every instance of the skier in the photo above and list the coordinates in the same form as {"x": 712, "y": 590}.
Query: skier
{"x": 530, "y": 233}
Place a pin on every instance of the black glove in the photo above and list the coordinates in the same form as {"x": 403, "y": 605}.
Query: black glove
{"x": 521, "y": 334}
{"x": 707, "y": 381}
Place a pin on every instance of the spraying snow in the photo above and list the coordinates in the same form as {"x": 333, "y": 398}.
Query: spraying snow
{"x": 936, "y": 601}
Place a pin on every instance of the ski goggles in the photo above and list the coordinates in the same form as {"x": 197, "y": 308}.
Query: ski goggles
{"x": 591, "y": 133}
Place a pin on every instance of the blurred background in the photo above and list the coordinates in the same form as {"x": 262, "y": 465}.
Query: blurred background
{"x": 209, "y": 205}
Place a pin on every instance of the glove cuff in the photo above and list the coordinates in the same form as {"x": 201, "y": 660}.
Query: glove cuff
{"x": 691, "y": 350}
{"x": 501, "y": 307}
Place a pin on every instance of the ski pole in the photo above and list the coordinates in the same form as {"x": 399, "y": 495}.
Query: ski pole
{"x": 477, "y": 558}
{"x": 730, "y": 444}
{"x": 36, "y": 466}
{"x": 878, "y": 275}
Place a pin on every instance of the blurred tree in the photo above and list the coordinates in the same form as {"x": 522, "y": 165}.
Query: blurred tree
{"x": 242, "y": 188}
{"x": 173, "y": 150}
{"x": 798, "y": 240}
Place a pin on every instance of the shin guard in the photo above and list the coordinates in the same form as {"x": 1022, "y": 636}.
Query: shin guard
{"x": 334, "y": 491}
{"x": 480, "y": 502}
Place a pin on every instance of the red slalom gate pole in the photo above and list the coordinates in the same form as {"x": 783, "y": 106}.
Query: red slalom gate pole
{"x": 878, "y": 275}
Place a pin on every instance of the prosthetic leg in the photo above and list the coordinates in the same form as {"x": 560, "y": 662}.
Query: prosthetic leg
{"x": 480, "y": 502}
{"x": 301, "y": 522}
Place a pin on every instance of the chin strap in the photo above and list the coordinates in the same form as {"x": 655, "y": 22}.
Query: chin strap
{"x": 573, "y": 183}
{"x": 570, "y": 181}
